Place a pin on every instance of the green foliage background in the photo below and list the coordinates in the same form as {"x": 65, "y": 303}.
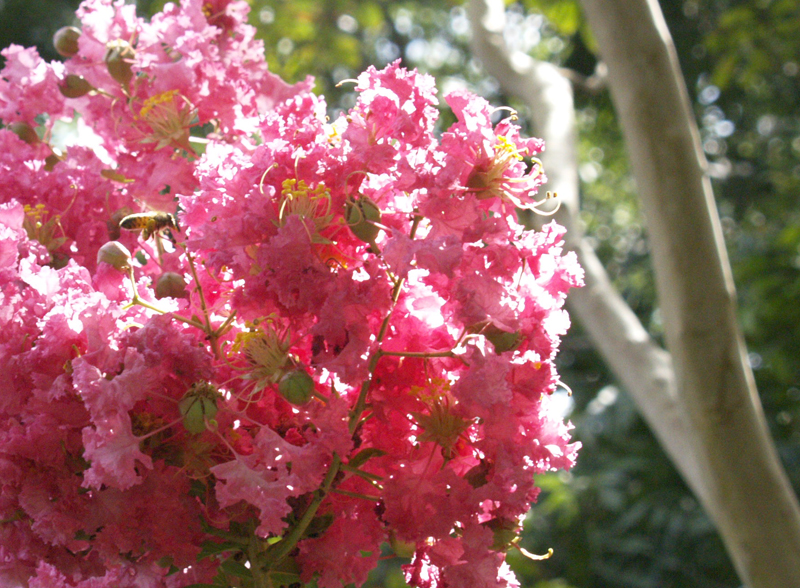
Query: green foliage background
{"x": 623, "y": 518}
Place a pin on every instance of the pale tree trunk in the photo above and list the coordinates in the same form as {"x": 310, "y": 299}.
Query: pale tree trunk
{"x": 700, "y": 398}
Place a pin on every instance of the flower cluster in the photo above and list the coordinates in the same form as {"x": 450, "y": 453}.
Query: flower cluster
{"x": 325, "y": 336}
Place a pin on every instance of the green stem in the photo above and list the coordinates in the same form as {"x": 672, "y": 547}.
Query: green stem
{"x": 223, "y": 328}
{"x": 211, "y": 333}
{"x": 136, "y": 300}
{"x": 280, "y": 550}
{"x": 355, "y": 495}
{"x": 372, "y": 478}
{"x": 421, "y": 354}
{"x": 260, "y": 578}
{"x": 361, "y": 403}
{"x": 199, "y": 290}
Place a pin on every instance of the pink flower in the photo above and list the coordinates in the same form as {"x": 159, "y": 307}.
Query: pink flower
{"x": 113, "y": 451}
{"x": 28, "y": 87}
{"x": 489, "y": 161}
{"x": 376, "y": 268}
{"x": 275, "y": 471}
{"x": 347, "y": 551}
{"x": 419, "y": 505}
{"x": 393, "y": 104}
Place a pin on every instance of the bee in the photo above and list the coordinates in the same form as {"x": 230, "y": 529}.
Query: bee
{"x": 149, "y": 222}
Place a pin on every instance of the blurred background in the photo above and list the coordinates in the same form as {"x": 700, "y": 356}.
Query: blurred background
{"x": 623, "y": 518}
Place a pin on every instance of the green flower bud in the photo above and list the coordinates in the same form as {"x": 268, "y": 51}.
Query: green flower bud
{"x": 74, "y": 86}
{"x": 401, "y": 548}
{"x": 119, "y": 57}
{"x": 502, "y": 340}
{"x": 192, "y": 410}
{"x": 361, "y": 216}
{"x": 66, "y": 41}
{"x": 198, "y": 406}
{"x": 170, "y": 284}
{"x": 503, "y": 537}
{"x": 296, "y": 387}
{"x": 115, "y": 254}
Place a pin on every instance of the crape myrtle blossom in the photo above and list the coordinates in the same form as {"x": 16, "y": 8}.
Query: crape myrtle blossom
{"x": 341, "y": 337}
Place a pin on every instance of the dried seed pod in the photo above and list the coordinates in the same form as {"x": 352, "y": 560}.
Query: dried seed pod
{"x": 170, "y": 285}
{"x": 119, "y": 57}
{"x": 74, "y": 86}
{"x": 66, "y": 41}
{"x": 25, "y": 132}
{"x": 116, "y": 254}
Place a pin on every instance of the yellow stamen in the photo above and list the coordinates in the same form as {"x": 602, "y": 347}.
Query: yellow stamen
{"x": 154, "y": 100}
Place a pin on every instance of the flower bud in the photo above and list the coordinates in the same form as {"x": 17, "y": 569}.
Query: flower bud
{"x": 74, "y": 86}
{"x": 119, "y": 56}
{"x": 361, "y": 216}
{"x": 115, "y": 254}
{"x": 25, "y": 132}
{"x": 401, "y": 548}
{"x": 504, "y": 534}
{"x": 502, "y": 340}
{"x": 198, "y": 406}
{"x": 66, "y": 41}
{"x": 170, "y": 284}
{"x": 296, "y": 387}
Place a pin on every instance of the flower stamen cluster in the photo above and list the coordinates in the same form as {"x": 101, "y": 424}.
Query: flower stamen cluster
{"x": 496, "y": 177}
{"x": 439, "y": 424}
{"x": 266, "y": 352}
{"x": 168, "y": 118}
{"x": 309, "y": 204}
